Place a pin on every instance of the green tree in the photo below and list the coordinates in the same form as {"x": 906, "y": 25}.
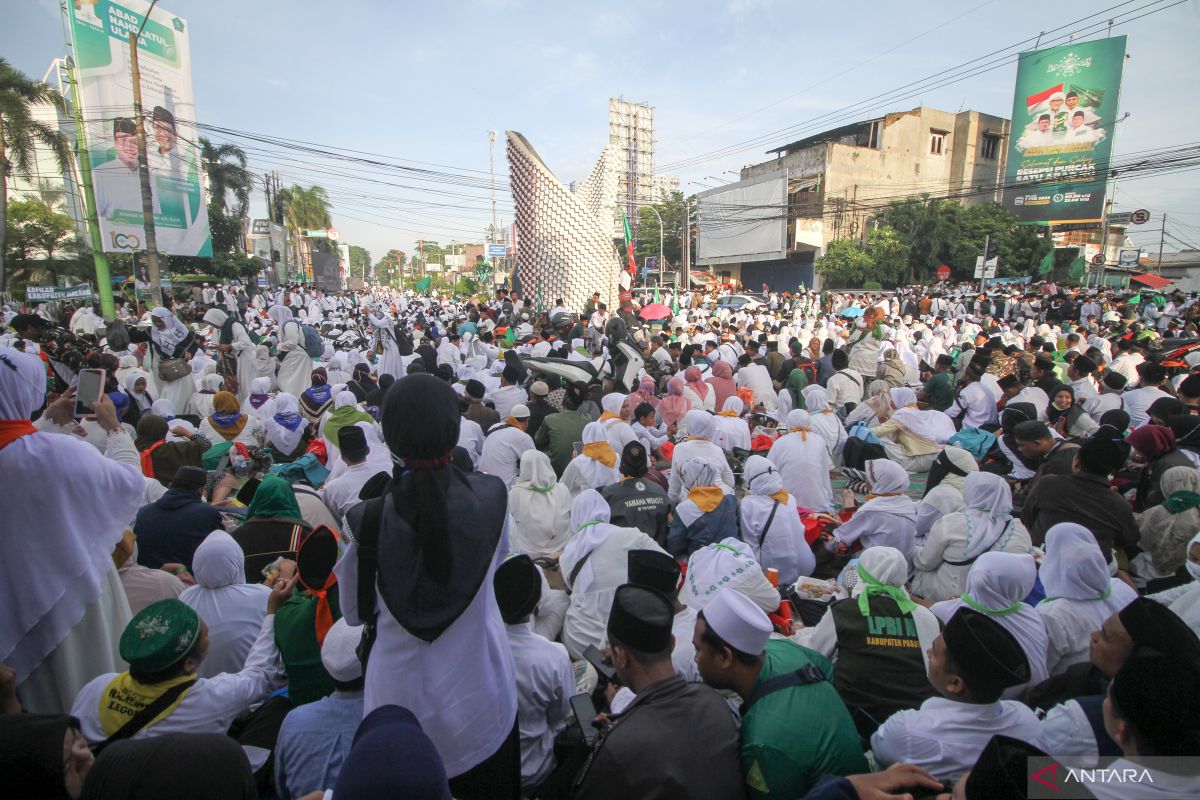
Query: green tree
{"x": 360, "y": 261}
{"x": 390, "y": 268}
{"x": 225, "y": 166}
{"x": 930, "y": 227}
{"x": 306, "y": 209}
{"x": 672, "y": 211}
{"x": 21, "y": 134}
{"x": 882, "y": 259}
{"x": 1018, "y": 246}
{"x": 34, "y": 234}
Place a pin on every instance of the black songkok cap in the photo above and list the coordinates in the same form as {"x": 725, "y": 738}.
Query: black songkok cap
{"x": 1115, "y": 380}
{"x": 353, "y": 442}
{"x": 475, "y": 389}
{"x": 989, "y": 657}
{"x": 1084, "y": 365}
{"x": 518, "y": 588}
{"x": 641, "y": 619}
{"x": 1001, "y": 771}
{"x": 1100, "y": 455}
{"x": 189, "y": 479}
{"x": 1160, "y": 696}
{"x": 655, "y": 570}
{"x": 1152, "y": 624}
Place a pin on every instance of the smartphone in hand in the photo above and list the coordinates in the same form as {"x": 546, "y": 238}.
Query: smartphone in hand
{"x": 585, "y": 715}
{"x": 88, "y": 390}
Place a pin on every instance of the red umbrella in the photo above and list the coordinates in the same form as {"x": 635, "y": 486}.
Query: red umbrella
{"x": 1153, "y": 281}
{"x": 655, "y": 311}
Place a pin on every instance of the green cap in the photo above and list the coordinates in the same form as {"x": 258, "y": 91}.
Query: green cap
{"x": 160, "y": 635}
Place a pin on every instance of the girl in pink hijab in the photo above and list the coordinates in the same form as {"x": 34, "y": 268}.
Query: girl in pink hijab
{"x": 722, "y": 383}
{"x": 697, "y": 392}
{"x": 672, "y": 407}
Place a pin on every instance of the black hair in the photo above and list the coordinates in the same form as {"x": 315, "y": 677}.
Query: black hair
{"x": 1031, "y": 430}
{"x": 642, "y": 410}
{"x": 840, "y": 359}
{"x": 970, "y": 694}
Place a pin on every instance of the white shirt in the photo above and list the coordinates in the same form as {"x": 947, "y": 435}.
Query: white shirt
{"x": 470, "y": 663}
{"x": 341, "y": 493}
{"x": 978, "y": 404}
{"x": 505, "y": 397}
{"x": 946, "y": 737}
{"x": 470, "y": 438}
{"x": 783, "y": 546}
{"x": 758, "y": 379}
{"x": 1127, "y": 364}
{"x": 209, "y": 706}
{"x": 803, "y": 465}
{"x": 1098, "y": 406}
{"x": 501, "y": 454}
{"x": 1136, "y": 401}
{"x": 545, "y": 685}
{"x": 844, "y": 387}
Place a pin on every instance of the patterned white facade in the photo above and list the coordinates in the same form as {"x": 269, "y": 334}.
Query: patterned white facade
{"x": 564, "y": 239}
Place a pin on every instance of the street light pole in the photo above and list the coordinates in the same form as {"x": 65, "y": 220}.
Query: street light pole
{"x": 144, "y": 165}
{"x": 660, "y": 242}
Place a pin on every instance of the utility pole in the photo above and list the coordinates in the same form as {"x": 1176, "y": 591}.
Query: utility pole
{"x": 1162, "y": 235}
{"x": 103, "y": 279}
{"x": 144, "y": 166}
{"x": 492, "y": 173}
{"x": 987, "y": 243}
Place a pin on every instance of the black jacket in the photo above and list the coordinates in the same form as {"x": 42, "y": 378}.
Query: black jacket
{"x": 171, "y": 528}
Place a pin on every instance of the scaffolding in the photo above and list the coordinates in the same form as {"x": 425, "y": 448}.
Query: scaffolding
{"x": 631, "y": 132}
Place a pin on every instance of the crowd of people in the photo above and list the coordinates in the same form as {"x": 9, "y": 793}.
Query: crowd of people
{"x": 823, "y": 546}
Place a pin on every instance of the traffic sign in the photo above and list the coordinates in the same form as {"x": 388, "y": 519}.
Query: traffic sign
{"x": 1120, "y": 218}
{"x": 1098, "y": 259}
{"x": 334, "y": 234}
{"x": 943, "y": 273}
{"x": 986, "y": 269}
{"x": 1139, "y": 217}
{"x": 317, "y": 234}
{"x": 496, "y": 251}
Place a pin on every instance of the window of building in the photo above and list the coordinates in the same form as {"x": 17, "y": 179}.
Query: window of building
{"x": 868, "y": 134}
{"x": 937, "y": 141}
{"x": 991, "y": 146}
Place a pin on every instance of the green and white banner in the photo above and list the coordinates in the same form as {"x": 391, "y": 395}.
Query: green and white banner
{"x": 41, "y": 294}
{"x": 1064, "y": 111}
{"x": 100, "y": 37}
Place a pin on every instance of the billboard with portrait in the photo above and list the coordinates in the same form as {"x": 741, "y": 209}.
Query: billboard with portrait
{"x": 1064, "y": 111}
{"x": 100, "y": 38}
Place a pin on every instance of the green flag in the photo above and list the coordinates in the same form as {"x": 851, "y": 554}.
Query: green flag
{"x": 656, "y": 294}
{"x": 1078, "y": 267}
{"x": 424, "y": 284}
{"x": 1047, "y": 265}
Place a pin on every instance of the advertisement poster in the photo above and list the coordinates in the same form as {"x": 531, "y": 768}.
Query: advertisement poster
{"x": 100, "y": 37}
{"x": 1064, "y": 110}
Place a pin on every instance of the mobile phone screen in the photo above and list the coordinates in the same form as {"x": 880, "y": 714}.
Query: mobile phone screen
{"x": 91, "y": 383}
{"x": 594, "y": 657}
{"x": 585, "y": 715}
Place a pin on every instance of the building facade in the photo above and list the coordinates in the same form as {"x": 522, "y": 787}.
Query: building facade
{"x": 838, "y": 180}
{"x": 631, "y": 135}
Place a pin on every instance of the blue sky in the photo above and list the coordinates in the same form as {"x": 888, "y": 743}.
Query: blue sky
{"x": 425, "y": 82}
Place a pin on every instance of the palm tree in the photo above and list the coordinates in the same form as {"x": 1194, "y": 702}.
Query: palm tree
{"x": 225, "y": 165}
{"x": 21, "y": 134}
{"x": 304, "y": 209}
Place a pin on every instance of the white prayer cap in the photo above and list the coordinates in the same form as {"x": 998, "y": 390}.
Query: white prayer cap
{"x": 339, "y": 651}
{"x": 519, "y": 411}
{"x": 736, "y": 619}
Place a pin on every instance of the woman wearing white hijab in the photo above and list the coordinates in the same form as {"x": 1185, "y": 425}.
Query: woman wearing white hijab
{"x": 1080, "y": 595}
{"x": 771, "y": 525}
{"x": 539, "y": 508}
{"x": 233, "y": 338}
{"x": 264, "y": 364}
{"x": 593, "y": 564}
{"x": 286, "y": 427}
{"x": 201, "y": 403}
{"x": 295, "y": 367}
{"x": 912, "y": 437}
{"x": 65, "y": 608}
{"x": 997, "y": 585}
{"x": 802, "y": 458}
{"x": 259, "y": 403}
{"x": 730, "y": 430}
{"x": 824, "y": 420}
{"x": 888, "y": 518}
{"x": 596, "y": 466}
{"x": 984, "y": 524}
{"x": 875, "y": 408}
{"x": 619, "y": 431}
{"x": 946, "y": 495}
{"x": 140, "y": 397}
{"x": 232, "y": 610}
{"x": 172, "y": 340}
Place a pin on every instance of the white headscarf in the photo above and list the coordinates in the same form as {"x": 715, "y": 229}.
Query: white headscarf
{"x": 169, "y": 337}
{"x": 996, "y": 586}
{"x": 590, "y": 526}
{"x": 595, "y": 473}
{"x": 141, "y": 398}
{"x": 931, "y": 425}
{"x": 164, "y": 408}
{"x": 232, "y": 609}
{"x": 215, "y": 317}
{"x": 1073, "y": 568}
{"x": 729, "y": 563}
{"x": 282, "y": 438}
{"x": 211, "y": 382}
{"x": 886, "y": 477}
{"x": 344, "y": 399}
{"x": 280, "y": 315}
{"x": 539, "y": 508}
{"x": 694, "y": 473}
{"x": 23, "y": 387}
{"x": 987, "y": 508}
{"x": 761, "y": 476}
{"x": 734, "y": 403}
{"x": 699, "y": 424}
